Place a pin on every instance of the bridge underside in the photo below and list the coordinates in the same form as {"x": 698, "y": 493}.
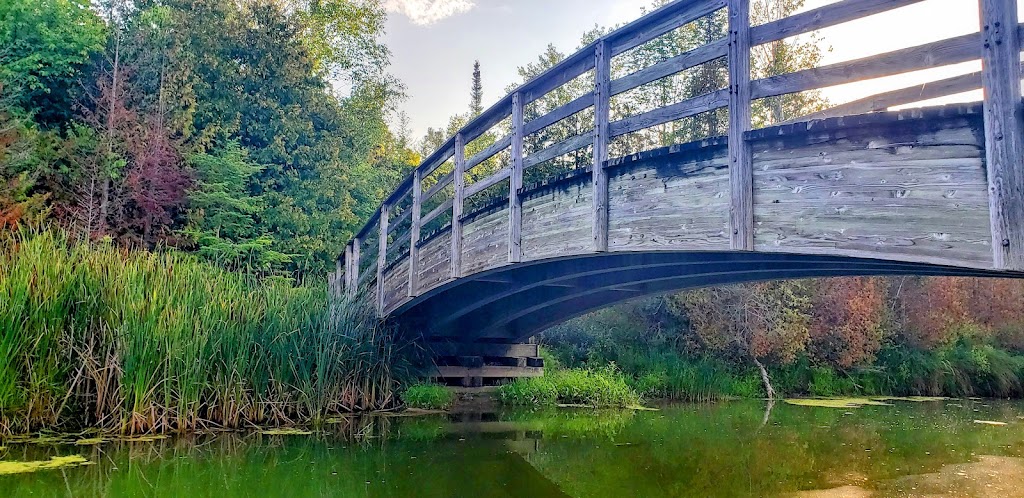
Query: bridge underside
{"x": 512, "y": 303}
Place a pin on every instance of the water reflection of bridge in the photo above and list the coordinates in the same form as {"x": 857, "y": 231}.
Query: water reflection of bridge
{"x": 851, "y": 190}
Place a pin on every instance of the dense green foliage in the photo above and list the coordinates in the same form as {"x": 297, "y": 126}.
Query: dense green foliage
{"x": 604, "y": 387}
{"x": 212, "y": 126}
{"x": 428, "y": 396}
{"x": 140, "y": 342}
{"x": 826, "y": 337}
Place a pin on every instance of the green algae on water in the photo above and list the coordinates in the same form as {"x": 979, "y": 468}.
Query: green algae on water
{"x": 10, "y": 467}
{"x": 836, "y": 402}
{"x": 285, "y": 432}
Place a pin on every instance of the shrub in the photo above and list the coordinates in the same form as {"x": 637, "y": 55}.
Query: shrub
{"x": 428, "y": 397}
{"x": 603, "y": 388}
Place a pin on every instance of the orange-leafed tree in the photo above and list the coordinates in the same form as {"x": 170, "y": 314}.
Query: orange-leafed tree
{"x": 847, "y": 323}
{"x": 932, "y": 310}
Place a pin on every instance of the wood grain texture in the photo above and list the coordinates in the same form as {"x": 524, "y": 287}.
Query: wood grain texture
{"x": 741, "y": 212}
{"x": 357, "y": 244}
{"x": 559, "y": 149}
{"x": 438, "y": 211}
{"x": 886, "y": 192}
{"x": 680, "y": 204}
{"x": 599, "y": 177}
{"x": 515, "y": 203}
{"x": 458, "y": 202}
{"x": 559, "y": 222}
{"x": 484, "y": 183}
{"x": 575, "y": 106}
{"x": 442, "y": 182}
{"x": 350, "y": 283}
{"x": 414, "y": 239}
{"x": 944, "y": 52}
{"x": 382, "y": 255}
{"x": 1004, "y": 131}
{"x": 435, "y": 262}
{"x": 822, "y": 17}
{"x": 673, "y": 112}
{"x": 659, "y": 22}
{"x": 668, "y": 67}
{"x": 498, "y": 146}
{"x": 486, "y": 243}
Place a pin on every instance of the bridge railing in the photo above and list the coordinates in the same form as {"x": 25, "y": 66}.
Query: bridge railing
{"x": 437, "y": 194}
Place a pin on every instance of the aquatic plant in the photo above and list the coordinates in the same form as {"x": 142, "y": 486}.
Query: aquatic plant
{"x": 600, "y": 387}
{"x": 427, "y": 396}
{"x": 94, "y": 335}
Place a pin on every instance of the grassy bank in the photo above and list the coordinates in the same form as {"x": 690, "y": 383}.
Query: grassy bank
{"x": 92, "y": 335}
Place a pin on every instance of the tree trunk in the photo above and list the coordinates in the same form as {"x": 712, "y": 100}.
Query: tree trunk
{"x": 768, "y": 389}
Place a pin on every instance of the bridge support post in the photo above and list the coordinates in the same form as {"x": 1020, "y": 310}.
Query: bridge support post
{"x": 414, "y": 235}
{"x": 741, "y": 169}
{"x": 515, "y": 203}
{"x": 1004, "y": 131}
{"x": 602, "y": 102}
{"x": 457, "y": 204}
{"x": 348, "y": 269}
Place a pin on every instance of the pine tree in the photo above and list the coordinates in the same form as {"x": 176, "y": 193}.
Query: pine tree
{"x": 476, "y": 106}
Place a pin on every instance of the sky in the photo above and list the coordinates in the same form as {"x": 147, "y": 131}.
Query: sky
{"x": 435, "y": 42}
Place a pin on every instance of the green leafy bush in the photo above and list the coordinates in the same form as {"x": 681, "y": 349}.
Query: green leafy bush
{"x": 604, "y": 388}
{"x": 428, "y": 397}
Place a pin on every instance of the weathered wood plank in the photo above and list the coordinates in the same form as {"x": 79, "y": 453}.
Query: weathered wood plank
{"x": 498, "y": 146}
{"x": 489, "y": 181}
{"x": 941, "y": 53}
{"x": 822, "y": 17}
{"x": 486, "y": 242}
{"x": 677, "y": 64}
{"x": 679, "y": 110}
{"x": 414, "y": 239}
{"x": 559, "y": 222}
{"x": 395, "y": 224}
{"x": 382, "y": 255}
{"x": 515, "y": 202}
{"x": 1004, "y": 131}
{"x": 602, "y": 111}
{"x": 442, "y": 182}
{"x": 579, "y": 104}
{"x": 741, "y": 208}
{"x": 356, "y": 246}
{"x": 658, "y": 23}
{"x": 565, "y": 71}
{"x": 439, "y": 348}
{"x": 559, "y": 149}
{"x": 438, "y": 158}
{"x": 458, "y": 203}
{"x": 438, "y": 211}
{"x": 435, "y": 266}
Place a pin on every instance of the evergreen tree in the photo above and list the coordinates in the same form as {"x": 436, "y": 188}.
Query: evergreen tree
{"x": 476, "y": 105}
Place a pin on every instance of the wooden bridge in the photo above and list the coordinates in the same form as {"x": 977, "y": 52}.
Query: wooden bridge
{"x": 497, "y": 246}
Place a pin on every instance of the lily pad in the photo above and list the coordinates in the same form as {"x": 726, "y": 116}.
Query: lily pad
{"x": 53, "y": 463}
{"x": 916, "y": 399}
{"x": 91, "y": 441}
{"x": 989, "y": 422}
{"x": 836, "y": 402}
{"x": 285, "y": 432}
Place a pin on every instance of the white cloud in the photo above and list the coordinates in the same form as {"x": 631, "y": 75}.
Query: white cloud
{"x": 425, "y": 12}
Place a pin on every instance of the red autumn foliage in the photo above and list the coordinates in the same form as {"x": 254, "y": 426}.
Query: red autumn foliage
{"x": 846, "y": 326}
{"x": 933, "y": 308}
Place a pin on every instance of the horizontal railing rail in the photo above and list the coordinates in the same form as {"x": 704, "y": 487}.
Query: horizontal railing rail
{"x": 399, "y": 221}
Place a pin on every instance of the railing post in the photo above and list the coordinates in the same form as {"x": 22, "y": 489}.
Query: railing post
{"x": 602, "y": 103}
{"x": 414, "y": 236}
{"x": 741, "y": 170}
{"x": 382, "y": 256}
{"x": 354, "y": 288}
{"x": 459, "y": 178}
{"x": 515, "y": 203}
{"x": 1003, "y": 131}
{"x": 348, "y": 269}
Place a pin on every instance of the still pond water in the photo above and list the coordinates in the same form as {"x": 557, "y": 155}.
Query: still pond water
{"x": 728, "y": 449}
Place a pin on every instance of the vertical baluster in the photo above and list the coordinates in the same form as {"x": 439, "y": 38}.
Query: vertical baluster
{"x": 354, "y": 289}
{"x": 348, "y": 269}
{"x": 602, "y": 102}
{"x": 741, "y": 172}
{"x": 414, "y": 236}
{"x": 515, "y": 203}
{"x": 457, "y": 205}
{"x": 382, "y": 256}
{"x": 1004, "y": 152}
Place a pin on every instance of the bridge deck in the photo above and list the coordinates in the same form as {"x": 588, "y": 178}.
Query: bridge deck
{"x": 499, "y": 250}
